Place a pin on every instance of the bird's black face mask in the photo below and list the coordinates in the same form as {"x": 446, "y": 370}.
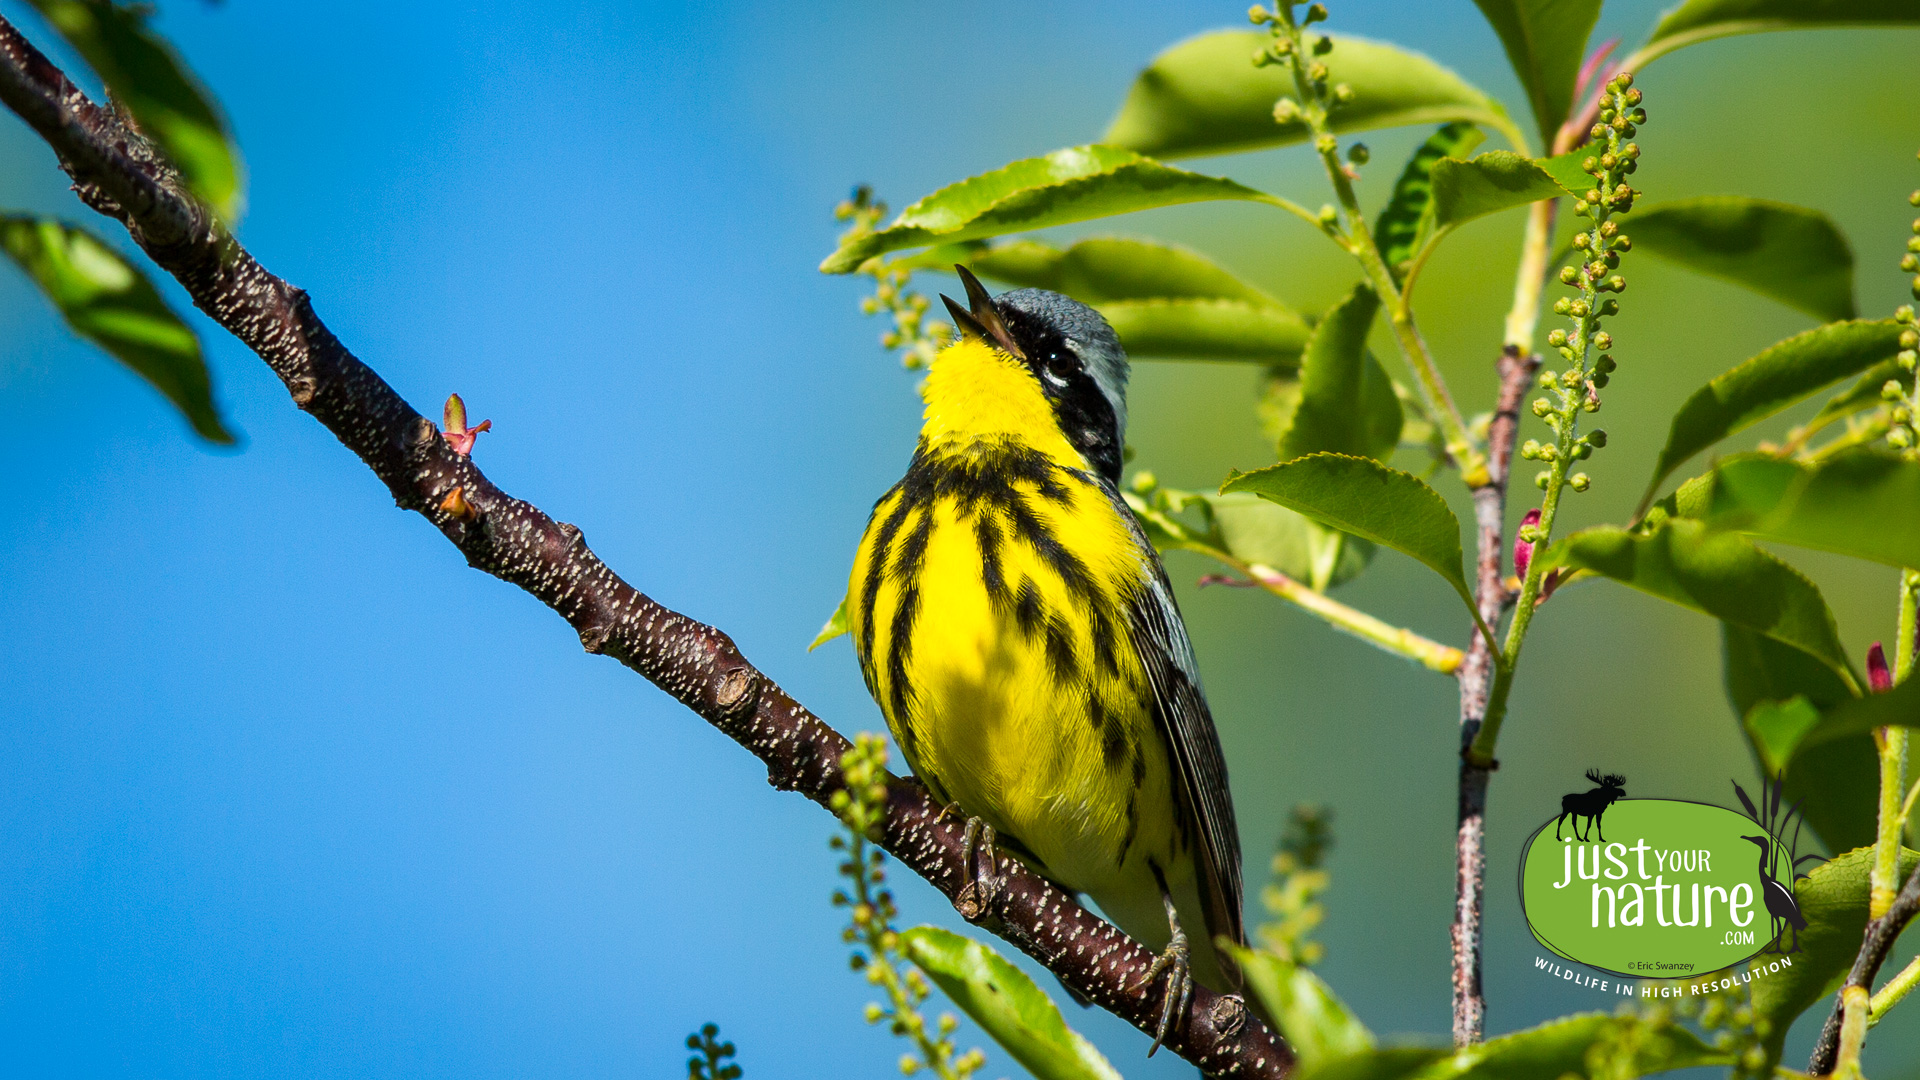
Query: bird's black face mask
{"x": 1073, "y": 353}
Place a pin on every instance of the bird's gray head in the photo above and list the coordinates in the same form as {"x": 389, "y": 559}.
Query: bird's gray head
{"x": 1073, "y": 353}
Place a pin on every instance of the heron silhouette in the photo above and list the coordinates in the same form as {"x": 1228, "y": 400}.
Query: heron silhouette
{"x": 1780, "y": 902}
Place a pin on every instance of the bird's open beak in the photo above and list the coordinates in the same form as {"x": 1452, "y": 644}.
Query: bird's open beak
{"x": 981, "y": 322}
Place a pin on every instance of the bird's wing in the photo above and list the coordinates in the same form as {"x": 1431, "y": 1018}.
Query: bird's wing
{"x": 1180, "y": 711}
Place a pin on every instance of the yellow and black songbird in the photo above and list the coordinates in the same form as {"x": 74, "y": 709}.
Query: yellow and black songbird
{"x": 1019, "y": 633}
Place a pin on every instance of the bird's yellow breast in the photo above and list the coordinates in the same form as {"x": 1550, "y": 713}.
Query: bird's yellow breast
{"x": 989, "y": 605}
{"x": 974, "y": 392}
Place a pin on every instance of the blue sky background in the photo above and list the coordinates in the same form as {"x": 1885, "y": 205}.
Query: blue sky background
{"x": 290, "y": 791}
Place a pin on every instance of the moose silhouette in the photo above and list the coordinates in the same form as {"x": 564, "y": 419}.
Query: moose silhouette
{"x": 1591, "y": 804}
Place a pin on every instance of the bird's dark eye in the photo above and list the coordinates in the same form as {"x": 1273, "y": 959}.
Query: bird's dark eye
{"x": 1059, "y": 366}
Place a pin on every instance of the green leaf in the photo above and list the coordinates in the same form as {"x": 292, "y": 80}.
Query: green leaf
{"x": 1408, "y": 216}
{"x": 1112, "y": 268}
{"x": 1834, "y": 901}
{"x": 1195, "y": 329}
{"x": 1545, "y": 40}
{"x": 1760, "y": 669}
{"x": 1778, "y": 377}
{"x": 1835, "y": 782}
{"x": 1784, "y": 729}
{"x": 836, "y": 625}
{"x": 1205, "y": 96}
{"x": 1363, "y": 497}
{"x": 1864, "y": 503}
{"x": 1569, "y": 169}
{"x": 1703, "y": 20}
{"x": 1496, "y": 180}
{"x": 1719, "y": 573}
{"x": 1898, "y": 707}
{"x": 1865, "y": 391}
{"x": 1006, "y": 1004}
{"x": 1315, "y": 1022}
{"x": 1776, "y": 728}
{"x": 1075, "y": 184}
{"x": 1165, "y": 532}
{"x": 1347, "y": 404}
{"x": 1165, "y": 302}
{"x": 1279, "y": 400}
{"x": 1254, "y": 530}
{"x": 1558, "y": 1047}
{"x": 1795, "y": 255}
{"x": 108, "y": 301}
{"x": 149, "y": 80}
{"x": 1555, "y": 1048}
{"x": 1387, "y": 1063}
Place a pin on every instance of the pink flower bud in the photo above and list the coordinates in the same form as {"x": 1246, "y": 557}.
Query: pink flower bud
{"x": 1523, "y": 550}
{"x": 458, "y": 434}
{"x": 1878, "y": 677}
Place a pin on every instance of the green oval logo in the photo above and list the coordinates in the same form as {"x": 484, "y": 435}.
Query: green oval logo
{"x": 1657, "y": 888}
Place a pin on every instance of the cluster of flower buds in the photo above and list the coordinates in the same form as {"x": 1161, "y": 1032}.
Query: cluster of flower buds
{"x": 1582, "y": 448}
{"x": 1729, "y": 1022}
{"x": 1282, "y": 22}
{"x": 1288, "y": 44}
{"x": 1299, "y": 877}
{"x": 1282, "y": 17}
{"x": 918, "y": 338}
{"x": 1900, "y": 419}
{"x": 1585, "y": 346}
{"x": 862, "y": 805}
{"x": 711, "y": 1062}
{"x": 1901, "y": 393}
{"x": 1911, "y": 261}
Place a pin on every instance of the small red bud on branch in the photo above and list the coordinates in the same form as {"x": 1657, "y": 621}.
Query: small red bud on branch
{"x": 458, "y": 434}
{"x": 1522, "y": 547}
{"x": 1878, "y": 677}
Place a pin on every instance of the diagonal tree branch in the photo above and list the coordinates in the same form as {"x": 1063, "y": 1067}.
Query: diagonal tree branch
{"x": 1874, "y": 947}
{"x": 116, "y": 173}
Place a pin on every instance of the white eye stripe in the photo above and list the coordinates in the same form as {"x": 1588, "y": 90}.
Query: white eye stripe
{"x": 1056, "y": 380}
{"x": 1109, "y": 373}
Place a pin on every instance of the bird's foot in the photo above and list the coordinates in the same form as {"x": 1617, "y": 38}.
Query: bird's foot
{"x": 977, "y": 896}
{"x": 1175, "y": 964}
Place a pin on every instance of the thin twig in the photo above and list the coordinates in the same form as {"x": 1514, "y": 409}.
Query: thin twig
{"x": 1897, "y": 988}
{"x": 1877, "y": 943}
{"x": 115, "y": 173}
{"x": 1398, "y": 640}
{"x": 1516, "y": 367}
{"x": 1314, "y": 112}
